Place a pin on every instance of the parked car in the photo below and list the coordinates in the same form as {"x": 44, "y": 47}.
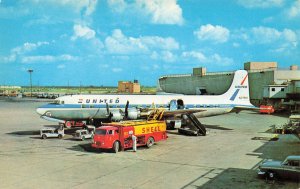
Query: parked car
{"x": 50, "y": 132}
{"x": 83, "y": 134}
{"x": 289, "y": 168}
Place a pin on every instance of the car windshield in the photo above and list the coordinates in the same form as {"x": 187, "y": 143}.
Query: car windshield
{"x": 55, "y": 102}
{"x": 100, "y": 132}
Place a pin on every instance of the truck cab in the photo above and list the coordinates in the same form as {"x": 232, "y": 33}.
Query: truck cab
{"x": 105, "y": 136}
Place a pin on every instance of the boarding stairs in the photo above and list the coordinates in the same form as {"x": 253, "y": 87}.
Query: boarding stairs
{"x": 192, "y": 126}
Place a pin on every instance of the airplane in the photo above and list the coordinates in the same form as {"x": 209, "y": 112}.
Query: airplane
{"x": 96, "y": 108}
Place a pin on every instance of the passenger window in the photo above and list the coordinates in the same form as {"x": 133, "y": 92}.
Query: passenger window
{"x": 110, "y": 132}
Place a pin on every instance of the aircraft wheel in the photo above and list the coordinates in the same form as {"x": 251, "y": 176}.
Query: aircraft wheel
{"x": 116, "y": 147}
{"x": 150, "y": 142}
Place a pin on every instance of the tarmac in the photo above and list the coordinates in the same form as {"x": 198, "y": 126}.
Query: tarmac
{"x": 226, "y": 158}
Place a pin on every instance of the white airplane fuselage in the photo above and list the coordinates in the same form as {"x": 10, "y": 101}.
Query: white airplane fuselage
{"x": 84, "y": 107}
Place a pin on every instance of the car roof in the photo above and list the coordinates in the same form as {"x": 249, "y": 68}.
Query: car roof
{"x": 48, "y": 128}
{"x": 80, "y": 130}
{"x": 293, "y": 158}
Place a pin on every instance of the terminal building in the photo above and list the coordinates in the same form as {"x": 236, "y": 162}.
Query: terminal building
{"x": 268, "y": 84}
{"x": 129, "y": 87}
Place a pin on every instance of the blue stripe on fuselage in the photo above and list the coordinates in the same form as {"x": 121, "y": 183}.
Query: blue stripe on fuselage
{"x": 187, "y": 106}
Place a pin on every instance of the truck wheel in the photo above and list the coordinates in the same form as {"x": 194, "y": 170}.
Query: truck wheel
{"x": 44, "y": 136}
{"x": 150, "y": 142}
{"x": 116, "y": 147}
{"x": 83, "y": 138}
{"x": 60, "y": 136}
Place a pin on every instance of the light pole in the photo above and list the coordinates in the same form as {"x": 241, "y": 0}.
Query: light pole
{"x": 30, "y": 72}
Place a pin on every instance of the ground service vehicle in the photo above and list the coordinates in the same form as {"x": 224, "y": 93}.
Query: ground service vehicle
{"x": 50, "y": 132}
{"x": 83, "y": 134}
{"x": 116, "y": 136}
{"x": 266, "y": 109}
{"x": 289, "y": 168}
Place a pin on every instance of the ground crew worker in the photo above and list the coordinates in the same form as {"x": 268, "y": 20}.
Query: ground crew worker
{"x": 133, "y": 142}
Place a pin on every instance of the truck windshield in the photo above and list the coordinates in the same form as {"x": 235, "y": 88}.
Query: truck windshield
{"x": 100, "y": 132}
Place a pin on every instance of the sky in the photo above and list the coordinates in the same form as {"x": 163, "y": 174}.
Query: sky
{"x": 99, "y": 42}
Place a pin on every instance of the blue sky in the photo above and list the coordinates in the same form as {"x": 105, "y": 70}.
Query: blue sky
{"x": 99, "y": 42}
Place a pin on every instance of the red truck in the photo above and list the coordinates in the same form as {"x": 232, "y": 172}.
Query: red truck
{"x": 117, "y": 136}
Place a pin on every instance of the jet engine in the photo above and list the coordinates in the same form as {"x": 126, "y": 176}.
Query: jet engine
{"x": 116, "y": 116}
{"x": 133, "y": 114}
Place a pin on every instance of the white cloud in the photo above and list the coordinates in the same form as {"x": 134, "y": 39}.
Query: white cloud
{"x": 115, "y": 70}
{"x": 266, "y": 35}
{"x": 162, "y": 12}
{"x": 159, "y": 11}
{"x": 86, "y": 6}
{"x": 285, "y": 40}
{"x": 208, "y": 59}
{"x": 28, "y": 47}
{"x": 294, "y": 11}
{"x": 117, "y": 5}
{"x": 195, "y": 54}
{"x": 43, "y": 7}
{"x": 118, "y": 43}
{"x": 166, "y": 56}
{"x": 21, "y": 50}
{"x": 47, "y": 58}
{"x": 90, "y": 8}
{"x": 217, "y": 34}
{"x": 82, "y": 32}
{"x": 260, "y": 3}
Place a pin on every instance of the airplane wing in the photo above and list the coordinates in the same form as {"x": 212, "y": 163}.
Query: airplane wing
{"x": 161, "y": 113}
{"x": 170, "y": 113}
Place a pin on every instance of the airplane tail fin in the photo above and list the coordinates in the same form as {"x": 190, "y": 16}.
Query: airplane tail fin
{"x": 238, "y": 93}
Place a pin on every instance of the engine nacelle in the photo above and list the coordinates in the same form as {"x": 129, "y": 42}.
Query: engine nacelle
{"x": 134, "y": 114}
{"x": 116, "y": 116}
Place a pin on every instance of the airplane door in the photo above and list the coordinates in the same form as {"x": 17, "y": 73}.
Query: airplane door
{"x": 180, "y": 104}
{"x": 173, "y": 105}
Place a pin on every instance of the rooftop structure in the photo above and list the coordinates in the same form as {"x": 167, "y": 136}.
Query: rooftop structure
{"x": 129, "y": 87}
